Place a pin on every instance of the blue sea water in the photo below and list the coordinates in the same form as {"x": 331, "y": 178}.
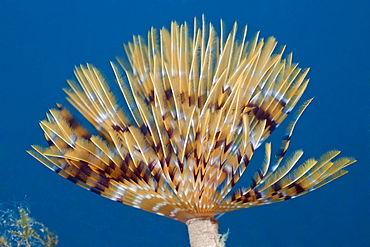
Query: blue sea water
{"x": 42, "y": 40}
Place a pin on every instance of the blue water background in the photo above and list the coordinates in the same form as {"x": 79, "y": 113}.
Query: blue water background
{"x": 42, "y": 40}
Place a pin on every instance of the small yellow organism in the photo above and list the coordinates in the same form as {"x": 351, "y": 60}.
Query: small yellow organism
{"x": 20, "y": 229}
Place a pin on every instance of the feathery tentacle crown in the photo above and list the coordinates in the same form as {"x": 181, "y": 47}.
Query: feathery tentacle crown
{"x": 198, "y": 107}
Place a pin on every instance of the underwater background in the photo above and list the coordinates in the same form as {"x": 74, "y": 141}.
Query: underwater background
{"x": 42, "y": 40}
